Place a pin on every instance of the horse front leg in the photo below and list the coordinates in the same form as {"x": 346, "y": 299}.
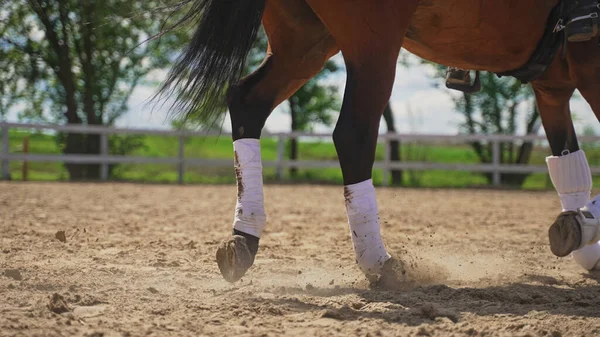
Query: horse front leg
{"x": 355, "y": 139}
{"x": 568, "y": 169}
{"x": 370, "y": 37}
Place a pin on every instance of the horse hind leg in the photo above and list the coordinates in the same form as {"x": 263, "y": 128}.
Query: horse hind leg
{"x": 552, "y": 96}
{"x": 568, "y": 166}
{"x": 297, "y": 51}
{"x": 584, "y": 61}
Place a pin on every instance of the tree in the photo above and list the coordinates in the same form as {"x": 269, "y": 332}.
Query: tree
{"x": 79, "y": 62}
{"x": 388, "y": 117}
{"x": 313, "y": 104}
{"x": 494, "y": 110}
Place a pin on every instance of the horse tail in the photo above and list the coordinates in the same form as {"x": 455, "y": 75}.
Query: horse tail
{"x": 215, "y": 57}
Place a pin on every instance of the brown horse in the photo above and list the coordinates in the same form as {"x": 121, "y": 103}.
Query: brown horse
{"x": 495, "y": 36}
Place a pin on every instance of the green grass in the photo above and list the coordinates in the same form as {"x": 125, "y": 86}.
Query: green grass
{"x": 221, "y": 148}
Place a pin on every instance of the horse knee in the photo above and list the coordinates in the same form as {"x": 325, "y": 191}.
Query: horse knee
{"x": 248, "y": 113}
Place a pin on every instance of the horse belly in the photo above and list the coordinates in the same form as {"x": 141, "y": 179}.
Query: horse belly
{"x": 478, "y": 34}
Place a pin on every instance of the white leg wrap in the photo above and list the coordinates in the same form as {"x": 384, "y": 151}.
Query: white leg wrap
{"x": 588, "y": 257}
{"x": 572, "y": 179}
{"x": 250, "y": 216}
{"x": 363, "y": 218}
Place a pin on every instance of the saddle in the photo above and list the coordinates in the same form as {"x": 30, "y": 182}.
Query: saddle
{"x": 554, "y": 37}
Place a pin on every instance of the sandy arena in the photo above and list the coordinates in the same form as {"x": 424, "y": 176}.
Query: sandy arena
{"x": 139, "y": 261}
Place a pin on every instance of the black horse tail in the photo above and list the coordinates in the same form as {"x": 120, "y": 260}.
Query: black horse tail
{"x": 215, "y": 58}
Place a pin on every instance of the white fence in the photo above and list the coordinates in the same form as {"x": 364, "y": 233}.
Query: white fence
{"x": 105, "y": 159}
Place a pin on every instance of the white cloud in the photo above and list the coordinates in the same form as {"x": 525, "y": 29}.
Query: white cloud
{"x": 142, "y": 114}
{"x": 425, "y": 111}
{"x": 583, "y": 115}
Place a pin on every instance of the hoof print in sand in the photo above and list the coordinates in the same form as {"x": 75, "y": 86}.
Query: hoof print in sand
{"x": 14, "y": 274}
{"x": 58, "y": 304}
{"x": 61, "y": 236}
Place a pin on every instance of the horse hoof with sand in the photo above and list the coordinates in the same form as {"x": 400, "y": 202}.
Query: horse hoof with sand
{"x": 234, "y": 258}
{"x": 565, "y": 234}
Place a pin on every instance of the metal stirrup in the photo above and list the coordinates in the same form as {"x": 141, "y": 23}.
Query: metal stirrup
{"x": 593, "y": 15}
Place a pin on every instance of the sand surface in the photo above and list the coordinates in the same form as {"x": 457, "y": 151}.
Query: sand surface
{"x": 139, "y": 261}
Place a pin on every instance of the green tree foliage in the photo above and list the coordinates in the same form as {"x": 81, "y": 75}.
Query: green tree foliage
{"x": 313, "y": 104}
{"x": 388, "y": 118}
{"x": 79, "y": 61}
{"x": 495, "y": 110}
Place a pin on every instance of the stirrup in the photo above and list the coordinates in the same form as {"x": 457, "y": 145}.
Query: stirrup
{"x": 458, "y": 79}
{"x": 458, "y": 76}
{"x": 584, "y": 27}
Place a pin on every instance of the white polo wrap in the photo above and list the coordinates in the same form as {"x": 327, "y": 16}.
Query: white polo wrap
{"x": 250, "y": 214}
{"x": 363, "y": 219}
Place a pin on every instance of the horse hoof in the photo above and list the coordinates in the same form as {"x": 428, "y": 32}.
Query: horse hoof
{"x": 234, "y": 258}
{"x": 392, "y": 277}
{"x": 565, "y": 234}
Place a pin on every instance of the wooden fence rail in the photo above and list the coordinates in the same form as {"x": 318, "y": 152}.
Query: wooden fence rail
{"x": 496, "y": 168}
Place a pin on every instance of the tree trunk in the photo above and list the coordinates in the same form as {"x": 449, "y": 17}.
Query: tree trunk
{"x": 293, "y": 141}
{"x": 517, "y": 179}
{"x": 85, "y": 50}
{"x": 388, "y": 116}
{"x": 525, "y": 151}
{"x": 63, "y": 67}
{"x": 74, "y": 143}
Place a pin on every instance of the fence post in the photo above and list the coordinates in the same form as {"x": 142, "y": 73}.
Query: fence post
{"x": 386, "y": 161}
{"x": 4, "y": 163}
{"x": 104, "y": 153}
{"x": 496, "y": 178}
{"x": 25, "y": 167}
{"x": 280, "y": 154}
{"x": 181, "y": 157}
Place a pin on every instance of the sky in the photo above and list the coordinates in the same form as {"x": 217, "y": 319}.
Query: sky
{"x": 418, "y": 106}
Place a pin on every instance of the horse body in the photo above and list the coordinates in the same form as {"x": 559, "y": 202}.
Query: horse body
{"x": 486, "y": 35}
{"x": 495, "y": 36}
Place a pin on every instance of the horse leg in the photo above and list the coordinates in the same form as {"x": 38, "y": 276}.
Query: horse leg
{"x": 370, "y": 38}
{"x": 298, "y": 48}
{"x": 584, "y": 61}
{"x": 568, "y": 167}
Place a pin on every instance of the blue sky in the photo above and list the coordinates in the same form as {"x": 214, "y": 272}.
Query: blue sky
{"x": 418, "y": 106}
